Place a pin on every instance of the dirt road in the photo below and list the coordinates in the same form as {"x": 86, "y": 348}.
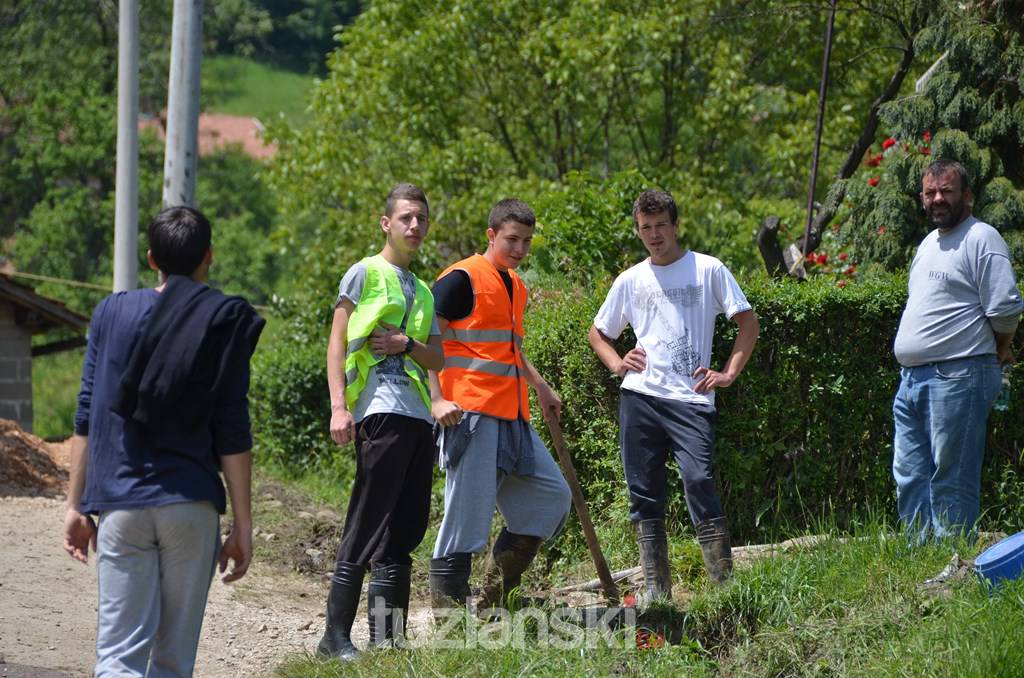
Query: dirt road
{"x": 48, "y": 605}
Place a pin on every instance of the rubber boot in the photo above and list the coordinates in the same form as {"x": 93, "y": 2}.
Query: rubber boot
{"x": 387, "y": 597}
{"x": 449, "y": 581}
{"x": 510, "y": 556}
{"x": 654, "y": 560}
{"x": 342, "y": 601}
{"x": 713, "y": 536}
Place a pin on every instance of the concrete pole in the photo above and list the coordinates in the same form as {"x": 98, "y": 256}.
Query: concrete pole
{"x": 183, "y": 104}
{"x": 126, "y": 205}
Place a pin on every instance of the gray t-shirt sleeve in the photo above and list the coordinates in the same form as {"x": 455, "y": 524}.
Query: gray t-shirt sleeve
{"x": 351, "y": 286}
{"x": 997, "y": 285}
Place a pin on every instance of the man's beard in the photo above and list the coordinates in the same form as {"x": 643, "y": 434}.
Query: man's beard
{"x": 953, "y": 215}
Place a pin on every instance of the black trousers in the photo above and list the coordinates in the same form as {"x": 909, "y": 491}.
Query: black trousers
{"x": 390, "y": 504}
{"x": 651, "y": 429}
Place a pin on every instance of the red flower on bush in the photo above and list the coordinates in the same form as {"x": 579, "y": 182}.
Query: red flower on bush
{"x": 881, "y": 230}
{"x": 873, "y": 181}
{"x": 843, "y": 256}
{"x": 822, "y": 259}
{"x": 842, "y": 284}
{"x": 927, "y": 136}
{"x": 925, "y": 150}
{"x": 850, "y": 270}
{"x": 810, "y": 257}
{"x": 874, "y": 161}
{"x": 888, "y": 143}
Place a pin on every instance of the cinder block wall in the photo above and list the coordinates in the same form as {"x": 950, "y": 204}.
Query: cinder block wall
{"x": 15, "y": 369}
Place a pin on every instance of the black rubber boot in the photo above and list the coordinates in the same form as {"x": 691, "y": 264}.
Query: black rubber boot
{"x": 449, "y": 580}
{"x": 510, "y": 556}
{"x": 654, "y": 560}
{"x": 387, "y": 597}
{"x": 713, "y": 536}
{"x": 342, "y": 601}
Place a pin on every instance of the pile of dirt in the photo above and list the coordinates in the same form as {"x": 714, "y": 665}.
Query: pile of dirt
{"x": 29, "y": 466}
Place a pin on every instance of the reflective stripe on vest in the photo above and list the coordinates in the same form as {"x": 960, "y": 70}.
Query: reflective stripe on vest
{"x": 383, "y": 302}
{"x": 483, "y": 367}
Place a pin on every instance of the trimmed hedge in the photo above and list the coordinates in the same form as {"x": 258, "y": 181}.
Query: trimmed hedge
{"x": 805, "y": 432}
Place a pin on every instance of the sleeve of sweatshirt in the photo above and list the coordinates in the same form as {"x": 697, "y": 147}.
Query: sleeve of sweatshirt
{"x": 232, "y": 431}
{"x": 89, "y": 371}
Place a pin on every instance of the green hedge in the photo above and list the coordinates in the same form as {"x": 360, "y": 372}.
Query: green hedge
{"x": 807, "y": 429}
{"x": 288, "y": 397}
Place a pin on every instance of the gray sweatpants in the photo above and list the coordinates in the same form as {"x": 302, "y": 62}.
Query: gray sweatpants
{"x": 154, "y": 567}
{"x": 533, "y": 505}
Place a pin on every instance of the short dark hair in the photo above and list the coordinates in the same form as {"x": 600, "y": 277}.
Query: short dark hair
{"x": 510, "y": 209}
{"x": 405, "y": 192}
{"x": 179, "y": 238}
{"x": 653, "y": 201}
{"x": 936, "y": 168}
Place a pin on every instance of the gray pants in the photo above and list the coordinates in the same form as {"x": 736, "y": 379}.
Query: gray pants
{"x": 533, "y": 505}
{"x": 154, "y": 567}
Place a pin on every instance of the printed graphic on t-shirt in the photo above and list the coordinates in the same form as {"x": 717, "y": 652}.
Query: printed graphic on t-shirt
{"x": 685, "y": 358}
{"x": 391, "y": 370}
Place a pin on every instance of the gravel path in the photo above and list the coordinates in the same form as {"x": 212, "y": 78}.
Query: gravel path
{"x": 48, "y": 606}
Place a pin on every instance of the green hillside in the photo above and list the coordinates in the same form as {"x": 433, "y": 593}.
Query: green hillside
{"x": 241, "y": 86}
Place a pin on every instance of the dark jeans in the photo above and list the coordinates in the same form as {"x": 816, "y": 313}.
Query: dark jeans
{"x": 650, "y": 429}
{"x": 390, "y": 504}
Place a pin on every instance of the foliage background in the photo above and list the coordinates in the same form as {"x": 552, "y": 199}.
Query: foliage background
{"x": 575, "y": 107}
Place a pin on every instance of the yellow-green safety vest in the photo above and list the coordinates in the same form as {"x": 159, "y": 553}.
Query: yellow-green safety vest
{"x": 382, "y": 302}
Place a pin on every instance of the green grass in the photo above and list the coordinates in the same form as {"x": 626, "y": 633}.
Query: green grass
{"x": 239, "y": 86}
{"x": 844, "y": 607}
{"x": 55, "y": 383}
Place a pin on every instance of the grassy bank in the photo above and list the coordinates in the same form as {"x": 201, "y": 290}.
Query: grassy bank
{"x": 844, "y": 607}
{"x": 55, "y": 383}
{"x": 240, "y": 86}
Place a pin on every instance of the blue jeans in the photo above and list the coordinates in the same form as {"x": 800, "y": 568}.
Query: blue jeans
{"x": 940, "y": 414}
{"x": 154, "y": 567}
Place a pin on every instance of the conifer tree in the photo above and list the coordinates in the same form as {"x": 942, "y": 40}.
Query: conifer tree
{"x": 972, "y": 110}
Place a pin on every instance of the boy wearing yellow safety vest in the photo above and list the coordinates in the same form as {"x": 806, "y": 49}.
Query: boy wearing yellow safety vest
{"x": 490, "y": 453}
{"x": 383, "y": 340}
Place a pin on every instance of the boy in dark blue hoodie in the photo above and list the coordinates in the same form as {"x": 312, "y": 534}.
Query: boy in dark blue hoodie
{"x": 162, "y": 411}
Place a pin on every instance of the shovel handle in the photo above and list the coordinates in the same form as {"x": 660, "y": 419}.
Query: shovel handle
{"x": 611, "y": 591}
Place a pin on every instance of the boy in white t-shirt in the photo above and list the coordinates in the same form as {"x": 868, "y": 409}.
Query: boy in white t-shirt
{"x": 671, "y": 300}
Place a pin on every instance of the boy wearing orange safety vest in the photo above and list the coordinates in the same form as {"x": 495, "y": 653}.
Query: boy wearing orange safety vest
{"x": 383, "y": 339}
{"x": 490, "y": 453}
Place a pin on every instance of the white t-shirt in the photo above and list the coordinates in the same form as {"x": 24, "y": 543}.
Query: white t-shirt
{"x": 672, "y": 311}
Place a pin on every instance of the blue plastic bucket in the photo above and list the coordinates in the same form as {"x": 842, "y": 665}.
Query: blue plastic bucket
{"x": 1002, "y": 561}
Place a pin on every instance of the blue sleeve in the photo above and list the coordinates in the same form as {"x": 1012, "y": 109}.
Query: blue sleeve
{"x": 89, "y": 371}
{"x": 232, "y": 431}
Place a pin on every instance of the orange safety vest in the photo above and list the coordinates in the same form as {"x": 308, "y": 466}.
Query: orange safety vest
{"x": 483, "y": 362}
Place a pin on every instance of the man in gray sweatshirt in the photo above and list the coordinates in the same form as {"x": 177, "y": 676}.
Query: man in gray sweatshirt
{"x": 962, "y": 311}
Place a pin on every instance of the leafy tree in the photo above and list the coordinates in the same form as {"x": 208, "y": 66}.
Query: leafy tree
{"x": 304, "y": 30}
{"x": 478, "y": 100}
{"x": 236, "y": 27}
{"x": 58, "y": 112}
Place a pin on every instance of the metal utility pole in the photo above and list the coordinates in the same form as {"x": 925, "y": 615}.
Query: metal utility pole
{"x": 183, "y": 104}
{"x": 126, "y": 205}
